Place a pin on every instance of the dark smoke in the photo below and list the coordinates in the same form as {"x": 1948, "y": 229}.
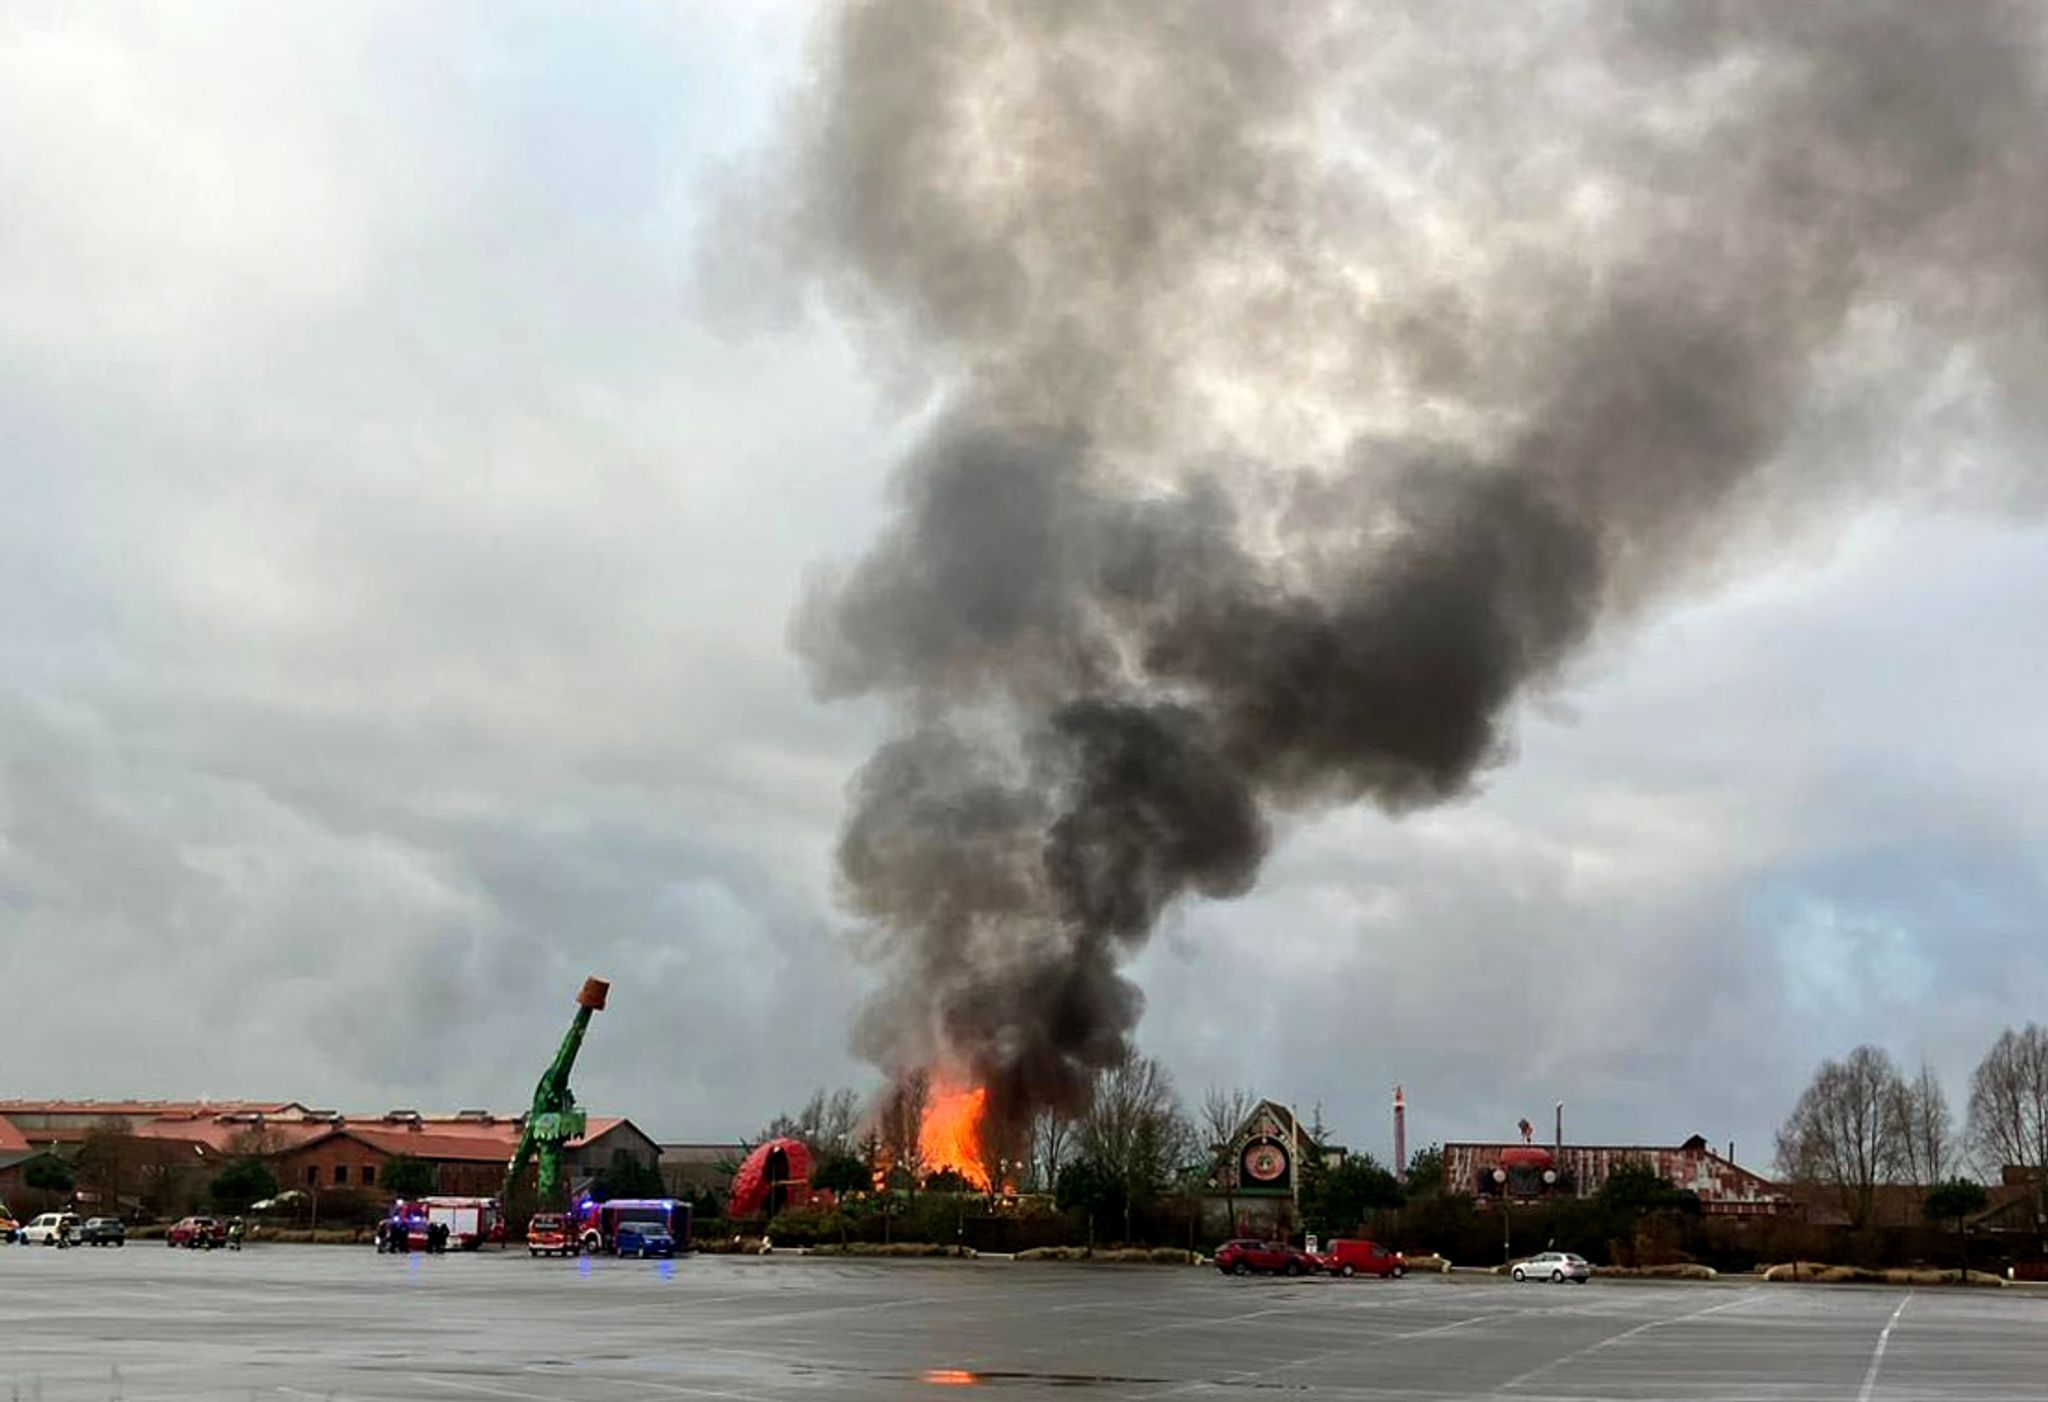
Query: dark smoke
{"x": 1310, "y": 380}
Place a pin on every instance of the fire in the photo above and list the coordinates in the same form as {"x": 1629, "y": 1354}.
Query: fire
{"x": 950, "y": 1136}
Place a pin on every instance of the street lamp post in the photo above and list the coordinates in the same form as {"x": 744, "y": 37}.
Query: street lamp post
{"x": 1500, "y": 1177}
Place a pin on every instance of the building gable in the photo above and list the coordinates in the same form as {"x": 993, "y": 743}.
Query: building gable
{"x": 1264, "y": 1155}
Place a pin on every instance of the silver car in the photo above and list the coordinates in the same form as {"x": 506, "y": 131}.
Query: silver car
{"x": 1554, "y": 1266}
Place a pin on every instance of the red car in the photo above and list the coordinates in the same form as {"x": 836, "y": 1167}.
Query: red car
{"x": 1348, "y": 1256}
{"x": 199, "y": 1233}
{"x": 549, "y": 1232}
{"x": 1245, "y": 1255}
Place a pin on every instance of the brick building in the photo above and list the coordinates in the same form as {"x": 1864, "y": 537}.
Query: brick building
{"x": 1528, "y": 1171}
{"x": 690, "y": 1169}
{"x": 1253, "y": 1183}
{"x": 14, "y": 1152}
{"x": 310, "y": 1150}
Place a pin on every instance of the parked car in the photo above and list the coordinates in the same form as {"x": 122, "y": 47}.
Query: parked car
{"x": 50, "y": 1229}
{"x": 103, "y": 1231}
{"x": 1243, "y": 1256}
{"x": 1355, "y": 1256}
{"x": 1554, "y": 1266}
{"x": 643, "y": 1239}
{"x": 198, "y": 1233}
{"x": 548, "y": 1234}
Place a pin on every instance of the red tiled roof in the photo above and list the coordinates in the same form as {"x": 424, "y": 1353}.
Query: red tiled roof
{"x": 12, "y": 1140}
{"x": 432, "y": 1144}
{"x": 220, "y": 1126}
{"x": 225, "y": 1136}
{"x": 464, "y": 1139}
{"x": 153, "y": 1108}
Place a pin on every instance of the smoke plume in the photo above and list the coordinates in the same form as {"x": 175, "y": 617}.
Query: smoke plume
{"x": 1304, "y": 382}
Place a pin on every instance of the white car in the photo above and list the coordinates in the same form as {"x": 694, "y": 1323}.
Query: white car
{"x": 1554, "y": 1266}
{"x": 44, "y": 1230}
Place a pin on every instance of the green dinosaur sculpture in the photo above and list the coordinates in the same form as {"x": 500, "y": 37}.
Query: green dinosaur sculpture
{"x": 554, "y": 1119}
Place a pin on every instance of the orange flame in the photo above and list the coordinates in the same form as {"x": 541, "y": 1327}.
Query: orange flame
{"x": 950, "y": 1136}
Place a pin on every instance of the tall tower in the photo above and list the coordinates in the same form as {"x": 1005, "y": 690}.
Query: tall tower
{"x": 1400, "y": 1132}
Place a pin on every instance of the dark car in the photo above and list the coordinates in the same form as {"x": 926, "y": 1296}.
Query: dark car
{"x": 199, "y": 1233}
{"x": 643, "y": 1239}
{"x": 103, "y": 1231}
{"x": 1243, "y": 1256}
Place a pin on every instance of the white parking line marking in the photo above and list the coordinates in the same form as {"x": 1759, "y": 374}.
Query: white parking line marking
{"x": 1622, "y": 1337}
{"x": 1877, "y": 1354}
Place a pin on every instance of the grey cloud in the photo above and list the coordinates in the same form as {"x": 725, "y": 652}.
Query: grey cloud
{"x": 395, "y": 577}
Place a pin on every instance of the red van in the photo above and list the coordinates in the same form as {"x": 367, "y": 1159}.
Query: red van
{"x": 1356, "y": 1257}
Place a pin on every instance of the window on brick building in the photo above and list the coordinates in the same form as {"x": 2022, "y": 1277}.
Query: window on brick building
{"x": 341, "y": 1173}
{"x": 369, "y": 1175}
{"x": 312, "y": 1173}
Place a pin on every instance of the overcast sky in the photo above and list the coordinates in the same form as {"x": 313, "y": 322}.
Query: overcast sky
{"x": 395, "y": 576}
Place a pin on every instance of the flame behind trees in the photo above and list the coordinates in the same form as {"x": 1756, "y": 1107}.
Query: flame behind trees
{"x": 949, "y": 1138}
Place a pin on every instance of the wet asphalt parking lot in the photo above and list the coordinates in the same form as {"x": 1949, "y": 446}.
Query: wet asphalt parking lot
{"x": 342, "y": 1323}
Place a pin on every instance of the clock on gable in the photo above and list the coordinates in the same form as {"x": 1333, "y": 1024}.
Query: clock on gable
{"x": 1265, "y": 1163}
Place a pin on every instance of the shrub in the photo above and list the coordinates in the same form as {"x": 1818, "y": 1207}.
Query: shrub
{"x": 240, "y": 1182}
{"x": 1123, "y": 1256}
{"x": 894, "y": 1248}
{"x": 807, "y": 1227}
{"x": 351, "y": 1207}
{"x": 843, "y": 1173}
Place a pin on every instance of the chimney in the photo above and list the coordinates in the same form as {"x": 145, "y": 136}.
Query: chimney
{"x": 1560, "y": 1136}
{"x": 1400, "y": 1133}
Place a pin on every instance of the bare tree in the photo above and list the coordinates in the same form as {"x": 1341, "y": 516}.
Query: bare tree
{"x": 1842, "y": 1134}
{"x": 900, "y": 1123}
{"x": 1135, "y": 1131}
{"x": 109, "y": 1163}
{"x": 1052, "y": 1146}
{"x": 1924, "y": 1129}
{"x": 828, "y": 1123}
{"x": 2009, "y": 1108}
{"x": 1223, "y": 1115}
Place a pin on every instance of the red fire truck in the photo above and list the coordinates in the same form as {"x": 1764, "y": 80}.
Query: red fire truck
{"x": 470, "y": 1221}
{"x": 625, "y": 1226}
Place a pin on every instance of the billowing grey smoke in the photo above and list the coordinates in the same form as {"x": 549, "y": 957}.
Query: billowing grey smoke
{"x": 1309, "y": 380}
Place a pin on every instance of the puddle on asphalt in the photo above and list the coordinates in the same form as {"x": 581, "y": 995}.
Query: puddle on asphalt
{"x": 975, "y": 1377}
{"x": 968, "y": 1377}
{"x": 988, "y": 1378}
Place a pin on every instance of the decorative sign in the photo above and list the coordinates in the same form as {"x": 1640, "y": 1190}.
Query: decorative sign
{"x": 1265, "y": 1163}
